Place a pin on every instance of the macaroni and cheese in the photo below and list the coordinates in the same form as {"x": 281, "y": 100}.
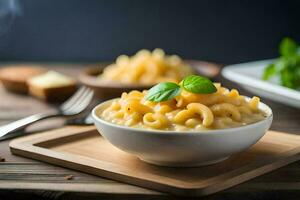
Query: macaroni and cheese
{"x": 187, "y": 111}
{"x": 146, "y": 67}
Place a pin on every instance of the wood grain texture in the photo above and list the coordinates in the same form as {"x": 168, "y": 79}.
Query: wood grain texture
{"x": 83, "y": 149}
{"x": 22, "y": 184}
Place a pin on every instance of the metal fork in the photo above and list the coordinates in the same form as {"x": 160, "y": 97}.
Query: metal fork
{"x": 73, "y": 106}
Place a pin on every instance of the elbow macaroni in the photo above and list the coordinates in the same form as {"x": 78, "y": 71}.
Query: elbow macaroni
{"x": 146, "y": 67}
{"x": 188, "y": 111}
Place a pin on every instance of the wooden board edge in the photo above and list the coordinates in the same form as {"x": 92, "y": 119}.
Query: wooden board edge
{"x": 99, "y": 172}
{"x": 246, "y": 176}
{"x": 51, "y": 134}
{"x": 172, "y": 189}
{"x": 23, "y": 147}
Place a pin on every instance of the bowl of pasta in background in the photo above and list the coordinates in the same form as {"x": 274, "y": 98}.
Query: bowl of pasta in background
{"x": 182, "y": 148}
{"x": 108, "y": 89}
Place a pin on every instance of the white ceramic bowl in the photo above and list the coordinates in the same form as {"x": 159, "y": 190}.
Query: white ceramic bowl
{"x": 182, "y": 149}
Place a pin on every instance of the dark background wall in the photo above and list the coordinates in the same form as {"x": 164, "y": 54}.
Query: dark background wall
{"x": 91, "y": 30}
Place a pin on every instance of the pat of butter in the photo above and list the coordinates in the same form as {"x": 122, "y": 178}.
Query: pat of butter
{"x": 51, "y": 79}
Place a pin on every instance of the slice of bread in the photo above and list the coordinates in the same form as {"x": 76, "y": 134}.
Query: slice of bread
{"x": 14, "y": 79}
{"x": 52, "y": 86}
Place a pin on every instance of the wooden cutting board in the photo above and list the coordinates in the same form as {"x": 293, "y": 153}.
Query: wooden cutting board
{"x": 82, "y": 148}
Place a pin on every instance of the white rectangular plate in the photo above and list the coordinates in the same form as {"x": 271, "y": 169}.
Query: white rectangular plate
{"x": 248, "y": 75}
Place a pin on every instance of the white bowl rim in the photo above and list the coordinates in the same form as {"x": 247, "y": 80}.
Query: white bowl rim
{"x": 268, "y": 110}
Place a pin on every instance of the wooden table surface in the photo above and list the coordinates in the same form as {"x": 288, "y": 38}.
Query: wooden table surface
{"x": 22, "y": 178}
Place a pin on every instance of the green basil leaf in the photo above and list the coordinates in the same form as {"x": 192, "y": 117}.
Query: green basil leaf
{"x": 287, "y": 78}
{"x": 269, "y": 71}
{"x": 288, "y": 47}
{"x": 163, "y": 92}
{"x": 198, "y": 85}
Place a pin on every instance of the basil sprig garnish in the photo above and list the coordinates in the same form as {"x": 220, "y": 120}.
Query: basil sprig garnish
{"x": 194, "y": 84}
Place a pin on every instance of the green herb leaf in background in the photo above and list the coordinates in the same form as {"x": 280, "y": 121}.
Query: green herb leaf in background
{"x": 270, "y": 70}
{"x": 198, "y": 85}
{"x": 286, "y": 78}
{"x": 163, "y": 92}
{"x": 288, "y": 47}
{"x": 287, "y": 66}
